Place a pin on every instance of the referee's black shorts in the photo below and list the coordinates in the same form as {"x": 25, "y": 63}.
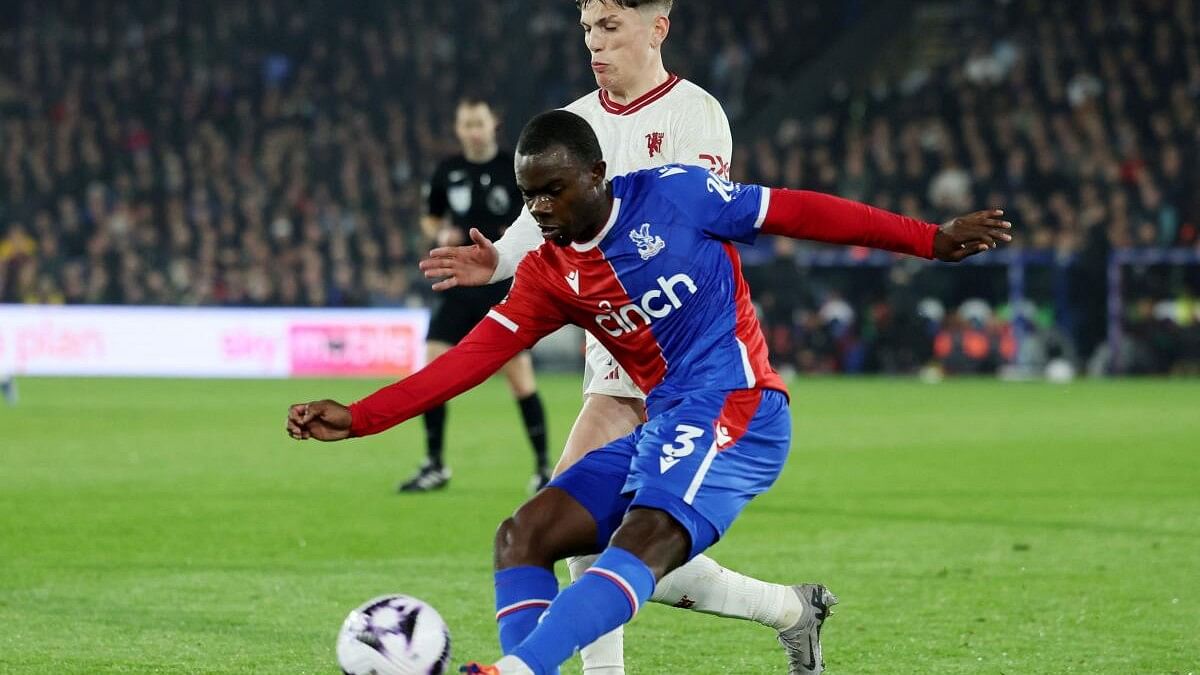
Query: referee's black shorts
{"x": 461, "y": 308}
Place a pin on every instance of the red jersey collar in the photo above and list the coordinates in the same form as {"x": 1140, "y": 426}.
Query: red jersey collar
{"x": 640, "y": 102}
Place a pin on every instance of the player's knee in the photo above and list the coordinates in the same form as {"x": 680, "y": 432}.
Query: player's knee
{"x": 506, "y": 544}
{"x": 518, "y": 544}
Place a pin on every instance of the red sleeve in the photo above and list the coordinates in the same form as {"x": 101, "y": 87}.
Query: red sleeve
{"x": 485, "y": 349}
{"x": 518, "y": 322}
{"x": 801, "y": 214}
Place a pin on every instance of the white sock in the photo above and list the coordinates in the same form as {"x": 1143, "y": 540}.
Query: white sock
{"x": 605, "y": 656}
{"x": 702, "y": 585}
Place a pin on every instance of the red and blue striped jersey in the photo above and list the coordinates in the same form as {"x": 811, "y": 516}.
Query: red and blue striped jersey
{"x": 660, "y": 286}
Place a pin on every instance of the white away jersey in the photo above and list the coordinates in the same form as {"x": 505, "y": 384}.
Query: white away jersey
{"x": 677, "y": 122}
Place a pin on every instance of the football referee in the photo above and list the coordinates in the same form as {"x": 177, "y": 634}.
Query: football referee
{"x": 474, "y": 189}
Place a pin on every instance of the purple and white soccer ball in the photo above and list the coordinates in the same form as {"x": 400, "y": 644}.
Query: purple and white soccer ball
{"x": 394, "y": 635}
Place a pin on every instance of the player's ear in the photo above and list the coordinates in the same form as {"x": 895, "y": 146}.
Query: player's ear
{"x": 599, "y": 171}
{"x": 659, "y": 31}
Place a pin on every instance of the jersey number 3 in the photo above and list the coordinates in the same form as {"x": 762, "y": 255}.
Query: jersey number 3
{"x": 684, "y": 445}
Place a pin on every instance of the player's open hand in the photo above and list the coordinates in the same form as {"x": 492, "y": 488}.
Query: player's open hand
{"x": 973, "y": 233}
{"x": 323, "y": 420}
{"x": 470, "y": 265}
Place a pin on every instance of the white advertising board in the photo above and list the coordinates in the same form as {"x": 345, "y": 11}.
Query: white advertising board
{"x": 210, "y": 342}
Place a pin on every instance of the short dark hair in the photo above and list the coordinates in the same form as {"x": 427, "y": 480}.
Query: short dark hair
{"x": 560, "y": 127}
{"x": 629, "y": 4}
{"x": 472, "y": 99}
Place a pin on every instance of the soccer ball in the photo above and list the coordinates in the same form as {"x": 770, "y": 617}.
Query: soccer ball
{"x": 394, "y": 635}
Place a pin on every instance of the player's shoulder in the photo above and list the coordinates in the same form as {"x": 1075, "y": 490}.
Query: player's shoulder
{"x": 660, "y": 186}
{"x": 587, "y": 106}
{"x": 665, "y": 177}
{"x": 688, "y": 90}
{"x": 688, "y": 94}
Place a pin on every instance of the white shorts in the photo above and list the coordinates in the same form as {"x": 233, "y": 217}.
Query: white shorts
{"x": 602, "y": 374}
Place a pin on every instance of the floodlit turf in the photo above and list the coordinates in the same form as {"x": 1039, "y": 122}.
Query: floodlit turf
{"x": 969, "y": 527}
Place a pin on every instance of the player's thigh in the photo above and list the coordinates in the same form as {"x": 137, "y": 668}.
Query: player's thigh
{"x": 602, "y": 420}
{"x": 597, "y": 481}
{"x": 519, "y": 373}
{"x": 704, "y": 459}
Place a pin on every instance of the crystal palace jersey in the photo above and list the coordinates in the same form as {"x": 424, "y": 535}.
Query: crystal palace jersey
{"x": 660, "y": 286}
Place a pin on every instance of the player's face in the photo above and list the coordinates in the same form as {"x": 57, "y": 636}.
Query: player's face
{"x": 475, "y": 126}
{"x": 622, "y": 43}
{"x": 568, "y": 200}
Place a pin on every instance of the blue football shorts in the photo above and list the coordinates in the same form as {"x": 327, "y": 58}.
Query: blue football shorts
{"x": 700, "y": 458}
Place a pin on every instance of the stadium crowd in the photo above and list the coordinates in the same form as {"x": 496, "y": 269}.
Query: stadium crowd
{"x": 272, "y": 153}
{"x": 1085, "y": 125}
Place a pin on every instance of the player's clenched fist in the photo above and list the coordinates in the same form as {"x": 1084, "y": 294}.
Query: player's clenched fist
{"x": 323, "y": 420}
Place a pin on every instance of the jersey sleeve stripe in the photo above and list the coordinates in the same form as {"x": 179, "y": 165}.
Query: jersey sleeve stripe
{"x": 502, "y": 320}
{"x": 763, "y": 204}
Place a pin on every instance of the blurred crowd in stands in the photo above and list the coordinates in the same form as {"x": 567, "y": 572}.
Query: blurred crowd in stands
{"x": 1081, "y": 119}
{"x": 272, "y": 153}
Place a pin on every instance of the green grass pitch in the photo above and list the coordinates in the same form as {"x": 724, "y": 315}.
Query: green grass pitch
{"x": 969, "y": 527}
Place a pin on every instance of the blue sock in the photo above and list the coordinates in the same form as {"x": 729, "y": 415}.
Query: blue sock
{"x": 522, "y": 594}
{"x": 605, "y": 597}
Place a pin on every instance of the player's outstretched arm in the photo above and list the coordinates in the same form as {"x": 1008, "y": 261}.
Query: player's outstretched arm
{"x": 485, "y": 349}
{"x": 802, "y": 214}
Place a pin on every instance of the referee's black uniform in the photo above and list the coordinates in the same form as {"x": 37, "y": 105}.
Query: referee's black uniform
{"x": 483, "y": 196}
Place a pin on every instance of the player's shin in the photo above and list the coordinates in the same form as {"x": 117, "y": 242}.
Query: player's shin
{"x": 605, "y": 656}
{"x": 522, "y": 594}
{"x": 607, "y": 596}
{"x": 702, "y": 585}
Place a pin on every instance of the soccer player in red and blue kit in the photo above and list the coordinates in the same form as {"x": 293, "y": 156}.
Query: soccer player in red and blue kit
{"x": 647, "y": 264}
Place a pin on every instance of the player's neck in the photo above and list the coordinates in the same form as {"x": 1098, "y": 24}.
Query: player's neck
{"x": 641, "y": 85}
{"x": 594, "y": 229}
{"x": 483, "y": 156}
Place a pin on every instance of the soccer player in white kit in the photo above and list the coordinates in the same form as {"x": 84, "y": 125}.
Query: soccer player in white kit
{"x": 644, "y": 117}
